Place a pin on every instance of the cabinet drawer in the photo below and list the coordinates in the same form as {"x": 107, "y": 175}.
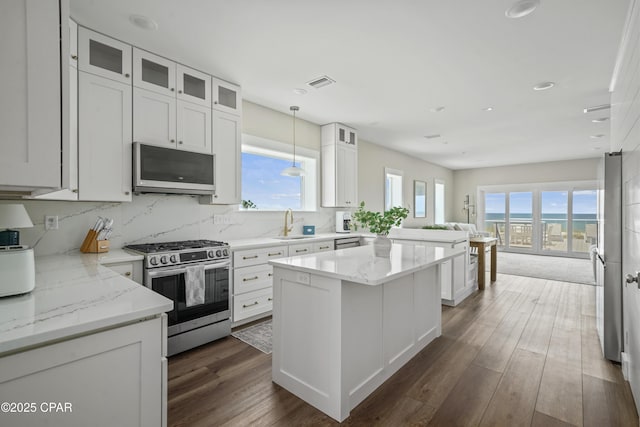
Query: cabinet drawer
{"x": 131, "y": 270}
{"x": 323, "y": 246}
{"x": 252, "y": 304}
{"x": 301, "y": 249}
{"x": 247, "y": 279}
{"x": 258, "y": 256}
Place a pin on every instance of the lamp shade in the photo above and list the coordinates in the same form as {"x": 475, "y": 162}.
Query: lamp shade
{"x": 14, "y": 216}
{"x": 292, "y": 171}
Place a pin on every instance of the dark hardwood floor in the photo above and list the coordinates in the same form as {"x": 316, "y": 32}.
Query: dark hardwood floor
{"x": 524, "y": 352}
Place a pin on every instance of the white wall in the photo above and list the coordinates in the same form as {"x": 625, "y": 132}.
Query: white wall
{"x": 467, "y": 181}
{"x": 372, "y": 159}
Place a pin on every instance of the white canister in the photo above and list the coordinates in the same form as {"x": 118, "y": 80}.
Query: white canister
{"x": 17, "y": 270}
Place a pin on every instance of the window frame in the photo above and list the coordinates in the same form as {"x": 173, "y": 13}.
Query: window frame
{"x": 309, "y": 160}
{"x": 396, "y": 173}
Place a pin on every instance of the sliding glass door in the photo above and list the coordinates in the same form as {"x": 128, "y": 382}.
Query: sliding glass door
{"x": 540, "y": 221}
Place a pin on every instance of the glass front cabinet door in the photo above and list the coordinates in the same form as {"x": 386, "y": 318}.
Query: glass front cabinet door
{"x": 103, "y": 56}
{"x": 154, "y": 73}
{"x": 194, "y": 86}
{"x": 226, "y": 97}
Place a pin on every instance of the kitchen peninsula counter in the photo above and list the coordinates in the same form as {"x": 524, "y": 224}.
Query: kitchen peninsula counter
{"x": 345, "y": 321}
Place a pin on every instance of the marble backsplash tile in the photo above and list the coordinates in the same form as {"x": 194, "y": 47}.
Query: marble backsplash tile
{"x": 157, "y": 218}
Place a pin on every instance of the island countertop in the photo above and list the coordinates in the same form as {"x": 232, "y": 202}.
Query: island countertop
{"x": 74, "y": 295}
{"x": 359, "y": 265}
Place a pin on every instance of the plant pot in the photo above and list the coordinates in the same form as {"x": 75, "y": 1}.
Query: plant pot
{"x": 382, "y": 246}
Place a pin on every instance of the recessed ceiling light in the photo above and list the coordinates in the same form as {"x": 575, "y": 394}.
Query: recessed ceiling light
{"x": 299, "y": 91}
{"x": 600, "y": 120}
{"x": 487, "y": 109}
{"x": 596, "y": 108}
{"x": 434, "y": 136}
{"x": 600, "y": 135}
{"x": 544, "y": 86}
{"x": 445, "y": 142}
{"x": 437, "y": 109}
{"x": 521, "y": 8}
{"x": 321, "y": 81}
{"x": 143, "y": 22}
{"x": 596, "y": 148}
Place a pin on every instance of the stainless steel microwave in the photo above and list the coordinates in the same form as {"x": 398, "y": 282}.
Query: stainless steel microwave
{"x": 168, "y": 170}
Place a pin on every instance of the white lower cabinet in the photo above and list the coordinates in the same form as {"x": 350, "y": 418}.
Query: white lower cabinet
{"x": 253, "y": 281}
{"x": 129, "y": 269}
{"x": 104, "y": 139}
{"x": 110, "y": 378}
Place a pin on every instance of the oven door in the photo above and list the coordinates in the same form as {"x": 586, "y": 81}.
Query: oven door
{"x": 169, "y": 282}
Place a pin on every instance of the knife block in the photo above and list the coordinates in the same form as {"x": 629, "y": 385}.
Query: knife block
{"x": 92, "y": 245}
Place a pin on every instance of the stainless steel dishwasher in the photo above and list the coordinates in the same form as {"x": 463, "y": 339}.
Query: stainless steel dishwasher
{"x": 347, "y": 242}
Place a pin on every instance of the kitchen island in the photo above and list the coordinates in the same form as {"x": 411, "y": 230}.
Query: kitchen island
{"x": 345, "y": 321}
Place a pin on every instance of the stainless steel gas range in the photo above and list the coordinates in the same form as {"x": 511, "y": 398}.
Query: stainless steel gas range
{"x": 165, "y": 271}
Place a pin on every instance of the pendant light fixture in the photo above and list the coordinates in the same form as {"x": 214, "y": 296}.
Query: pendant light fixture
{"x": 293, "y": 170}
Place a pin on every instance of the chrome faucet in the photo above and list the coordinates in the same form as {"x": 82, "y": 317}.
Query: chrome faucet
{"x": 287, "y": 229}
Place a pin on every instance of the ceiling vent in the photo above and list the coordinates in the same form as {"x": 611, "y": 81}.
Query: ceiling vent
{"x": 321, "y": 81}
{"x": 434, "y": 136}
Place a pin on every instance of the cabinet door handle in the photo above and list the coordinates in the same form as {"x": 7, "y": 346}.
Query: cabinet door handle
{"x": 250, "y": 257}
{"x": 248, "y": 279}
{"x": 324, "y": 247}
{"x": 172, "y": 89}
{"x": 127, "y": 75}
{"x": 74, "y": 57}
{"x": 126, "y": 193}
{"x": 179, "y": 91}
{"x": 301, "y": 250}
{"x": 275, "y": 254}
{"x": 179, "y": 142}
{"x": 215, "y": 102}
{"x": 249, "y": 305}
{"x": 270, "y": 274}
{"x": 128, "y": 273}
{"x": 173, "y": 141}
{"x": 270, "y": 299}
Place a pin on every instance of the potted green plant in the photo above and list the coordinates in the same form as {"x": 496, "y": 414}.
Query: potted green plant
{"x": 380, "y": 224}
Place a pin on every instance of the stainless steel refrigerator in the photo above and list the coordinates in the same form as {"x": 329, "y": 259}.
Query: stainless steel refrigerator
{"x": 608, "y": 257}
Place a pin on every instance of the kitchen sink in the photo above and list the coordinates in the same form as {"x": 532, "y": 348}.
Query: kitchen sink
{"x": 292, "y": 237}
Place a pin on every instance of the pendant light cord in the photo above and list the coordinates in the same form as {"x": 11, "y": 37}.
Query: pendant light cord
{"x": 294, "y": 139}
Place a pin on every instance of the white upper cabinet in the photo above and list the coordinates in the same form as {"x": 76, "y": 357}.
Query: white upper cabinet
{"x": 227, "y": 149}
{"x": 154, "y": 118}
{"x": 193, "y": 127}
{"x": 104, "y": 136}
{"x": 154, "y": 73}
{"x": 104, "y": 56}
{"x": 339, "y": 166}
{"x": 31, "y": 83}
{"x": 73, "y": 43}
{"x": 193, "y": 86}
{"x": 226, "y": 97}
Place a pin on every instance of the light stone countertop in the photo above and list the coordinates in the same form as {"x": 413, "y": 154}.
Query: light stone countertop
{"x": 263, "y": 242}
{"x": 359, "y": 265}
{"x": 75, "y": 295}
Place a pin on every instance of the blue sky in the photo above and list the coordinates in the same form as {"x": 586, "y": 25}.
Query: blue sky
{"x": 584, "y": 202}
{"x": 264, "y": 186}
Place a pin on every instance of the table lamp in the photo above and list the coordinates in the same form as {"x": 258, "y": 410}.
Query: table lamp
{"x": 12, "y": 216}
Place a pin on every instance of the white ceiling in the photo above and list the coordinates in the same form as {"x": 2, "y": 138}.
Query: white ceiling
{"x": 393, "y": 61}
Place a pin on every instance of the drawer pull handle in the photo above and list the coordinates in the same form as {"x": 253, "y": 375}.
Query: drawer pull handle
{"x": 324, "y": 247}
{"x": 270, "y": 274}
{"x": 128, "y": 273}
{"x": 249, "y": 305}
{"x": 247, "y": 279}
{"x": 275, "y": 254}
{"x": 301, "y": 250}
{"x": 270, "y": 299}
{"x": 250, "y": 257}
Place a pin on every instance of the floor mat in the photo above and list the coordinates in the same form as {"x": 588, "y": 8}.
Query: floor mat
{"x": 258, "y": 336}
{"x": 562, "y": 269}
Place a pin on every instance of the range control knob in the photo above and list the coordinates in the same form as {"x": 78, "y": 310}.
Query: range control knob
{"x": 210, "y": 254}
{"x": 173, "y": 259}
{"x": 153, "y": 261}
{"x": 218, "y": 253}
{"x": 225, "y": 252}
{"x": 163, "y": 259}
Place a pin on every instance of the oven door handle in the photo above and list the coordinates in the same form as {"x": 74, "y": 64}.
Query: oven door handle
{"x": 174, "y": 271}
